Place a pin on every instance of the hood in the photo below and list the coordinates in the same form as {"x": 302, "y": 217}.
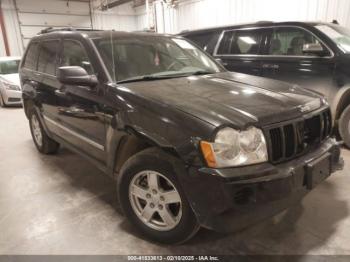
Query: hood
{"x": 11, "y": 78}
{"x": 230, "y": 98}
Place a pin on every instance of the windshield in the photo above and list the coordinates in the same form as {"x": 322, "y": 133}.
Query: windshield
{"x": 150, "y": 57}
{"x": 340, "y": 35}
{"x": 9, "y": 67}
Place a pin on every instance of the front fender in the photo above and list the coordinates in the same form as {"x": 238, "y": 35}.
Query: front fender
{"x": 340, "y": 101}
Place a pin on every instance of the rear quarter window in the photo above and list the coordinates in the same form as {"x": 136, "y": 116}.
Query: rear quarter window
{"x": 31, "y": 58}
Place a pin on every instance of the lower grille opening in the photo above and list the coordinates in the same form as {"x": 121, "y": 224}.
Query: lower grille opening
{"x": 243, "y": 196}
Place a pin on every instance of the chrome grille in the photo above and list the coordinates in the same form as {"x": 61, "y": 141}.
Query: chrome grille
{"x": 294, "y": 138}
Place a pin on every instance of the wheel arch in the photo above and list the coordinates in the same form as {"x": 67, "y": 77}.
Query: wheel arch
{"x": 340, "y": 102}
{"x": 132, "y": 141}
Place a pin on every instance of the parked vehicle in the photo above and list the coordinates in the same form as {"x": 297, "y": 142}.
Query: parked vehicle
{"x": 10, "y": 90}
{"x": 314, "y": 55}
{"x": 188, "y": 143}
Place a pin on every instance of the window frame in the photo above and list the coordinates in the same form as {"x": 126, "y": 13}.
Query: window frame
{"x": 261, "y": 44}
{"x": 84, "y": 49}
{"x": 36, "y": 59}
{"x": 56, "y": 58}
{"x": 267, "y": 43}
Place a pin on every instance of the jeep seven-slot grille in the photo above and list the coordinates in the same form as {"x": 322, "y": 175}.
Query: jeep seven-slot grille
{"x": 291, "y": 139}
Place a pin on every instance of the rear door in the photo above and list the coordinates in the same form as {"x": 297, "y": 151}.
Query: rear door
{"x": 284, "y": 59}
{"x": 46, "y": 71}
{"x": 239, "y": 50}
{"x": 28, "y": 71}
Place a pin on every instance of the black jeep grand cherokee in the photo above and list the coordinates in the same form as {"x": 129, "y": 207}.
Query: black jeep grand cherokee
{"x": 187, "y": 142}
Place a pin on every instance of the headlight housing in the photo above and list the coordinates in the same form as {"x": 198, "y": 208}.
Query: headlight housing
{"x": 235, "y": 148}
{"x": 9, "y": 86}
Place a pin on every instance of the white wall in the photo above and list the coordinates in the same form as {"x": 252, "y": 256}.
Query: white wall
{"x": 35, "y": 15}
{"x": 187, "y": 14}
{"x": 194, "y": 14}
{"x": 12, "y": 30}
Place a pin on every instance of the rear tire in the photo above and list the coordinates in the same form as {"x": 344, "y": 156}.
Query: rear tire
{"x": 43, "y": 143}
{"x": 344, "y": 126}
{"x": 144, "y": 184}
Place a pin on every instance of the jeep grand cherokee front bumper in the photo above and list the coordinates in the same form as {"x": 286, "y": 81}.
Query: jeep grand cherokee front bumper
{"x": 232, "y": 198}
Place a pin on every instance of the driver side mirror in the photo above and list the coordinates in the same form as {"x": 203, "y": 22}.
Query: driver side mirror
{"x": 314, "y": 49}
{"x": 76, "y": 75}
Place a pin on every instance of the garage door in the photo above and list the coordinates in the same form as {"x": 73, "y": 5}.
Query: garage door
{"x": 51, "y": 13}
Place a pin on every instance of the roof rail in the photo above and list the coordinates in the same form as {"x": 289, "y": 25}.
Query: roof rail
{"x": 51, "y": 29}
{"x": 264, "y": 22}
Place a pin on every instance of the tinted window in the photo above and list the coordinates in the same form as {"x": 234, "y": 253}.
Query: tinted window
{"x": 31, "y": 57}
{"x": 74, "y": 55}
{"x": 160, "y": 56}
{"x": 340, "y": 35}
{"x": 9, "y": 67}
{"x": 207, "y": 41}
{"x": 241, "y": 42}
{"x": 47, "y": 57}
{"x": 290, "y": 41}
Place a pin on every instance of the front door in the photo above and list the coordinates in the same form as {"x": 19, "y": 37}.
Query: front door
{"x": 284, "y": 60}
{"x": 80, "y": 108}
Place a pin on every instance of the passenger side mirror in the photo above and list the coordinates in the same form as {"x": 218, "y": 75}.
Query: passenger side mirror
{"x": 314, "y": 49}
{"x": 76, "y": 75}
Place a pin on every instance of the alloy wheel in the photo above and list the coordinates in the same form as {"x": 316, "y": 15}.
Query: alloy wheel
{"x": 36, "y": 128}
{"x": 155, "y": 200}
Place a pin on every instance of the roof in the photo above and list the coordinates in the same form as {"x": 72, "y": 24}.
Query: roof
{"x": 95, "y": 33}
{"x": 255, "y": 24}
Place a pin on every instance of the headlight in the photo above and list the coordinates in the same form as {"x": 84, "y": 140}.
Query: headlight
{"x": 235, "y": 148}
{"x": 9, "y": 86}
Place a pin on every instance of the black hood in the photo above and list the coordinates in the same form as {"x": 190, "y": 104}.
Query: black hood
{"x": 234, "y": 98}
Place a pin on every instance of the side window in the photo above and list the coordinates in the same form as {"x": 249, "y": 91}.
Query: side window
{"x": 47, "y": 57}
{"x": 206, "y": 41}
{"x": 225, "y": 43}
{"x": 30, "y": 60}
{"x": 74, "y": 54}
{"x": 241, "y": 42}
{"x": 290, "y": 41}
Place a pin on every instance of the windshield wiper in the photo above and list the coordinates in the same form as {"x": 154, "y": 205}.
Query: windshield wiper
{"x": 140, "y": 78}
{"x": 156, "y": 77}
{"x": 201, "y": 72}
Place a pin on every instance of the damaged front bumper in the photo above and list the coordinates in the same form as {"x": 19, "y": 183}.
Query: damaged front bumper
{"x": 233, "y": 198}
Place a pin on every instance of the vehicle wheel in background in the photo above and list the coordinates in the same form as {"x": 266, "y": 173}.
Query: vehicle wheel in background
{"x": 2, "y": 103}
{"x": 41, "y": 140}
{"x": 344, "y": 126}
{"x": 153, "y": 200}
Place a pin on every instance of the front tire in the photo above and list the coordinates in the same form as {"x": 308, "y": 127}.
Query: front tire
{"x": 43, "y": 143}
{"x": 344, "y": 126}
{"x": 153, "y": 200}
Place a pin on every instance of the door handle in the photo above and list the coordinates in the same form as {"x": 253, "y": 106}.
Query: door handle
{"x": 219, "y": 60}
{"x": 60, "y": 93}
{"x": 270, "y": 66}
{"x": 34, "y": 84}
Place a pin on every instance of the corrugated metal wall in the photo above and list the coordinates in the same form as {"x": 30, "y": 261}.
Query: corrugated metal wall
{"x": 187, "y": 14}
{"x": 193, "y": 14}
